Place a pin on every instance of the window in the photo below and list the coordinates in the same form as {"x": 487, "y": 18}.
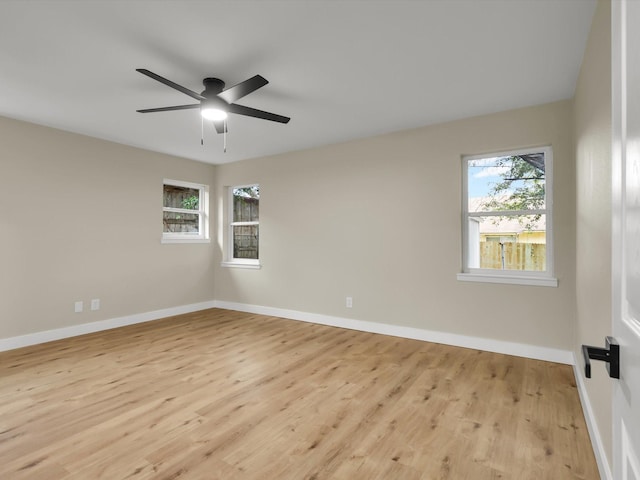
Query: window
{"x": 244, "y": 226}
{"x": 507, "y": 217}
{"x": 184, "y": 212}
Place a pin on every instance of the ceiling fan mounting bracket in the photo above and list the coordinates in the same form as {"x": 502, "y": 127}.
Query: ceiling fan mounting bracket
{"x": 212, "y": 86}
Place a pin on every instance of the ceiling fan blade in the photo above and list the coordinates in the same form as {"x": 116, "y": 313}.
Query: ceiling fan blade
{"x": 169, "y": 83}
{"x": 221, "y": 126}
{"x": 241, "y": 89}
{"x": 168, "y": 109}
{"x": 253, "y": 112}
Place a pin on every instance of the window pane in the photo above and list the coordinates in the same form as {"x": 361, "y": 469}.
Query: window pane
{"x": 506, "y": 183}
{"x": 245, "y": 241}
{"x": 515, "y": 242}
{"x": 181, "y": 197}
{"x": 181, "y": 222}
{"x": 246, "y": 203}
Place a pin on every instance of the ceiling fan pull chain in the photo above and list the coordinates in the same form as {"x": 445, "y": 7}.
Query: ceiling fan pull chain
{"x": 201, "y": 130}
{"x": 225, "y": 135}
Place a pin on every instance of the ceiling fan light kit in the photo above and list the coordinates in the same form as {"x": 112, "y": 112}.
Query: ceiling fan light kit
{"x": 212, "y": 113}
{"x": 216, "y": 102}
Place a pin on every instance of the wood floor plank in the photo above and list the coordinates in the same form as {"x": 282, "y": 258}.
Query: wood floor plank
{"x": 226, "y": 395}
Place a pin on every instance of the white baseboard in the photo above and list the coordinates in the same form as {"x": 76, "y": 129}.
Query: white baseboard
{"x": 594, "y": 432}
{"x": 489, "y": 345}
{"x": 75, "y": 330}
{"x": 486, "y": 344}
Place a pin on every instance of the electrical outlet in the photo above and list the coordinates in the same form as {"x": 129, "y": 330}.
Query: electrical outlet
{"x": 78, "y": 306}
{"x": 349, "y": 302}
{"x": 95, "y": 304}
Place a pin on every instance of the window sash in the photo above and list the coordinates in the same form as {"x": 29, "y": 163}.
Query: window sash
{"x": 232, "y": 259}
{"x": 243, "y": 224}
{"x": 201, "y": 212}
{"x": 547, "y": 211}
{"x": 507, "y": 213}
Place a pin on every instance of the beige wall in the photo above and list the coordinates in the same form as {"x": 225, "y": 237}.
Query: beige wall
{"x": 81, "y": 218}
{"x": 379, "y": 219}
{"x": 376, "y": 219}
{"x": 593, "y": 203}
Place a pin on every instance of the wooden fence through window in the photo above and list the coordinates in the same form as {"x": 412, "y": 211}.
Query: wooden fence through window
{"x": 513, "y": 256}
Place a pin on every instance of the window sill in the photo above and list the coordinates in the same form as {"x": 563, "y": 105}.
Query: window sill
{"x": 508, "y": 279}
{"x": 185, "y": 240}
{"x": 253, "y": 266}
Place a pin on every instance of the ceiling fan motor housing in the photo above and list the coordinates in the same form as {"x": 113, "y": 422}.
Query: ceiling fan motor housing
{"x": 212, "y": 87}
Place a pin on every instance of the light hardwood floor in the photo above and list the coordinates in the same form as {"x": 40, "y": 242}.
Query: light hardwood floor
{"x": 227, "y": 395}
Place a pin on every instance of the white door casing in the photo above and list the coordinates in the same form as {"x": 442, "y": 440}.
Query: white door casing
{"x": 626, "y": 235}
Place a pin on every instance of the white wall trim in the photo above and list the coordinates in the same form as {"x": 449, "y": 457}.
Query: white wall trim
{"x": 508, "y": 279}
{"x": 478, "y": 343}
{"x": 486, "y": 344}
{"x": 75, "y": 330}
{"x": 592, "y": 426}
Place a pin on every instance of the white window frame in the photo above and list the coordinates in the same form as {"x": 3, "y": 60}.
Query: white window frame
{"x": 544, "y": 278}
{"x": 230, "y": 261}
{"x": 202, "y": 212}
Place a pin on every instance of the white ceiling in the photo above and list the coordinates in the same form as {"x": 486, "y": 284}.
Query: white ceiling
{"x": 340, "y": 69}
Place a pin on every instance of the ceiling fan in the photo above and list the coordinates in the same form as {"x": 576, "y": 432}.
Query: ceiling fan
{"x": 215, "y": 101}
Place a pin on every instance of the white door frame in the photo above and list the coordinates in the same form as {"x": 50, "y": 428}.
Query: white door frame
{"x": 625, "y": 268}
